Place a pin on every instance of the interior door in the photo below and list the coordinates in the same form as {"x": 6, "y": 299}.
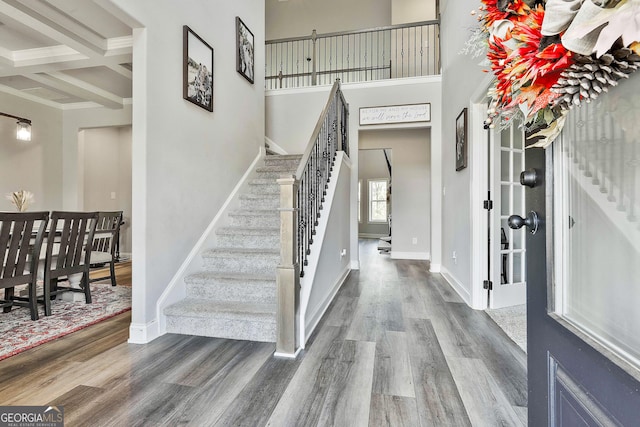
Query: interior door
{"x": 508, "y": 257}
{"x": 583, "y": 267}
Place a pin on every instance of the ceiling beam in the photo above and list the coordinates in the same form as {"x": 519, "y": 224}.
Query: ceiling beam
{"x": 55, "y": 18}
{"x": 124, "y": 72}
{"x": 16, "y": 16}
{"x": 78, "y": 88}
{"x": 44, "y": 66}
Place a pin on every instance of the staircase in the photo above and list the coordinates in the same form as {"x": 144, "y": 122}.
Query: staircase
{"x": 235, "y": 296}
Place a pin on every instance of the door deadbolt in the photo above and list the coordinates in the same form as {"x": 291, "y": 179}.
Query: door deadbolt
{"x": 529, "y": 178}
{"x": 532, "y": 222}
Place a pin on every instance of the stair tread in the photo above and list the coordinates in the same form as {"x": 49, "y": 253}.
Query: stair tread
{"x": 287, "y": 156}
{"x": 263, "y": 181}
{"x": 238, "y": 251}
{"x": 286, "y": 170}
{"x": 254, "y": 212}
{"x": 259, "y": 196}
{"x": 248, "y": 231}
{"x": 206, "y": 275}
{"x": 226, "y": 309}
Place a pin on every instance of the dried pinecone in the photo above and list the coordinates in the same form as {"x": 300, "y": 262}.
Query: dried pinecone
{"x": 589, "y": 76}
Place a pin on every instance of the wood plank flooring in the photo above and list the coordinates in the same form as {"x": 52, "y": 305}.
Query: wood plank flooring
{"x": 123, "y": 273}
{"x": 396, "y": 348}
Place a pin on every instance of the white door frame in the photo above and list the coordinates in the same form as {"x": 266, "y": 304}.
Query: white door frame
{"x": 478, "y": 153}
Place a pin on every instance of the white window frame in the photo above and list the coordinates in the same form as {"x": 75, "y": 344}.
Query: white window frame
{"x": 369, "y": 200}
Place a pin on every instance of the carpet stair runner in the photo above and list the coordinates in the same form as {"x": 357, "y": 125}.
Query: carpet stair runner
{"x": 235, "y": 296}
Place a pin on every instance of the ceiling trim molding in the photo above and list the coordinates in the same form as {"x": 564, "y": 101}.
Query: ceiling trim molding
{"x": 28, "y": 97}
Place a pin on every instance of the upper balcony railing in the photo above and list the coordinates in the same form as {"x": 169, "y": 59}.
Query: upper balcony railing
{"x": 393, "y": 52}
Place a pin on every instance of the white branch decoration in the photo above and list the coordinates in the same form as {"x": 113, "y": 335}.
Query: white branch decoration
{"x": 21, "y": 199}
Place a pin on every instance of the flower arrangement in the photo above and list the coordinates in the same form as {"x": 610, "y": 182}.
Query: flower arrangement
{"x": 21, "y": 199}
{"x": 546, "y": 64}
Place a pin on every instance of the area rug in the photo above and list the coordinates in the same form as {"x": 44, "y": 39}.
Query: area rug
{"x": 20, "y": 333}
{"x": 513, "y": 321}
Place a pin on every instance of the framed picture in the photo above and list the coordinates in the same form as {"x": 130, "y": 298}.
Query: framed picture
{"x": 197, "y": 72}
{"x": 244, "y": 50}
{"x": 461, "y": 140}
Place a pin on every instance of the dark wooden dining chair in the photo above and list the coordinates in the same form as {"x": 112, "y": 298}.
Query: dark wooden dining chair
{"x": 21, "y": 235}
{"x": 68, "y": 252}
{"x": 105, "y": 242}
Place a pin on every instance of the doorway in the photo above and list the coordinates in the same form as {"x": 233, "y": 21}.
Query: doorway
{"x": 105, "y": 176}
{"x": 374, "y": 196}
{"x": 409, "y": 152}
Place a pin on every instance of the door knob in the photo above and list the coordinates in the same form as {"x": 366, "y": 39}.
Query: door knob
{"x": 531, "y": 222}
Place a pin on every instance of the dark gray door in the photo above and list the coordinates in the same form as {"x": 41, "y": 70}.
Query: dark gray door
{"x": 583, "y": 268}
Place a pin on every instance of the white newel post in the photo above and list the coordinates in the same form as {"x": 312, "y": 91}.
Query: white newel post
{"x": 288, "y": 273}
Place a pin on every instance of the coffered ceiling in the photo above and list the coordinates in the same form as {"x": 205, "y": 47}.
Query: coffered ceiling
{"x": 65, "y": 53}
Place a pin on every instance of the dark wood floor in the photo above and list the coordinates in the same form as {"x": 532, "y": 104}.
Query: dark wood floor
{"x": 397, "y": 347}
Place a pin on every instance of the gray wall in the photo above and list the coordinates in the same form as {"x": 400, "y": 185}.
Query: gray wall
{"x": 299, "y": 17}
{"x": 461, "y": 77}
{"x": 293, "y": 18}
{"x": 411, "y": 198}
{"x": 331, "y": 266}
{"x": 107, "y": 173}
{"x": 186, "y": 160}
{"x": 35, "y": 166}
{"x": 371, "y": 165}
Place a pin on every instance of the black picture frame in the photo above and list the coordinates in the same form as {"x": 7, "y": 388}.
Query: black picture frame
{"x": 245, "y": 52}
{"x": 461, "y": 140}
{"x": 197, "y": 71}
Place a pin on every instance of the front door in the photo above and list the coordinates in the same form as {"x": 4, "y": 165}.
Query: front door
{"x": 583, "y": 267}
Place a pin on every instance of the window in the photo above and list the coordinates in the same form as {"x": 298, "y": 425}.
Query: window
{"x": 360, "y": 201}
{"x": 378, "y": 200}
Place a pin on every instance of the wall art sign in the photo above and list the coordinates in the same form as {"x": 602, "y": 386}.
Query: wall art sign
{"x": 410, "y": 113}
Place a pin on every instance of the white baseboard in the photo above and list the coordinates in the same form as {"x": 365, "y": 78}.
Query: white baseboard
{"x": 371, "y": 235}
{"x": 422, "y": 256}
{"x": 288, "y": 355}
{"x": 143, "y": 333}
{"x": 435, "y": 268}
{"x": 456, "y": 285}
{"x": 355, "y": 265}
{"x": 322, "y": 308}
{"x": 125, "y": 255}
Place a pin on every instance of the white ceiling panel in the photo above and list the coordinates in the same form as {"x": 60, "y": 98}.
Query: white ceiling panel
{"x": 60, "y": 51}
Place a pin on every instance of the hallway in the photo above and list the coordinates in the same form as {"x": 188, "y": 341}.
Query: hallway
{"x": 397, "y": 347}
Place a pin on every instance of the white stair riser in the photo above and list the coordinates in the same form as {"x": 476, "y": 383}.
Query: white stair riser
{"x": 265, "y": 220}
{"x": 250, "y": 242}
{"x": 259, "y": 292}
{"x": 222, "y": 328}
{"x": 253, "y": 264}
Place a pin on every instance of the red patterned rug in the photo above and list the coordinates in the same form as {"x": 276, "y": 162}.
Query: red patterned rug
{"x": 20, "y": 333}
